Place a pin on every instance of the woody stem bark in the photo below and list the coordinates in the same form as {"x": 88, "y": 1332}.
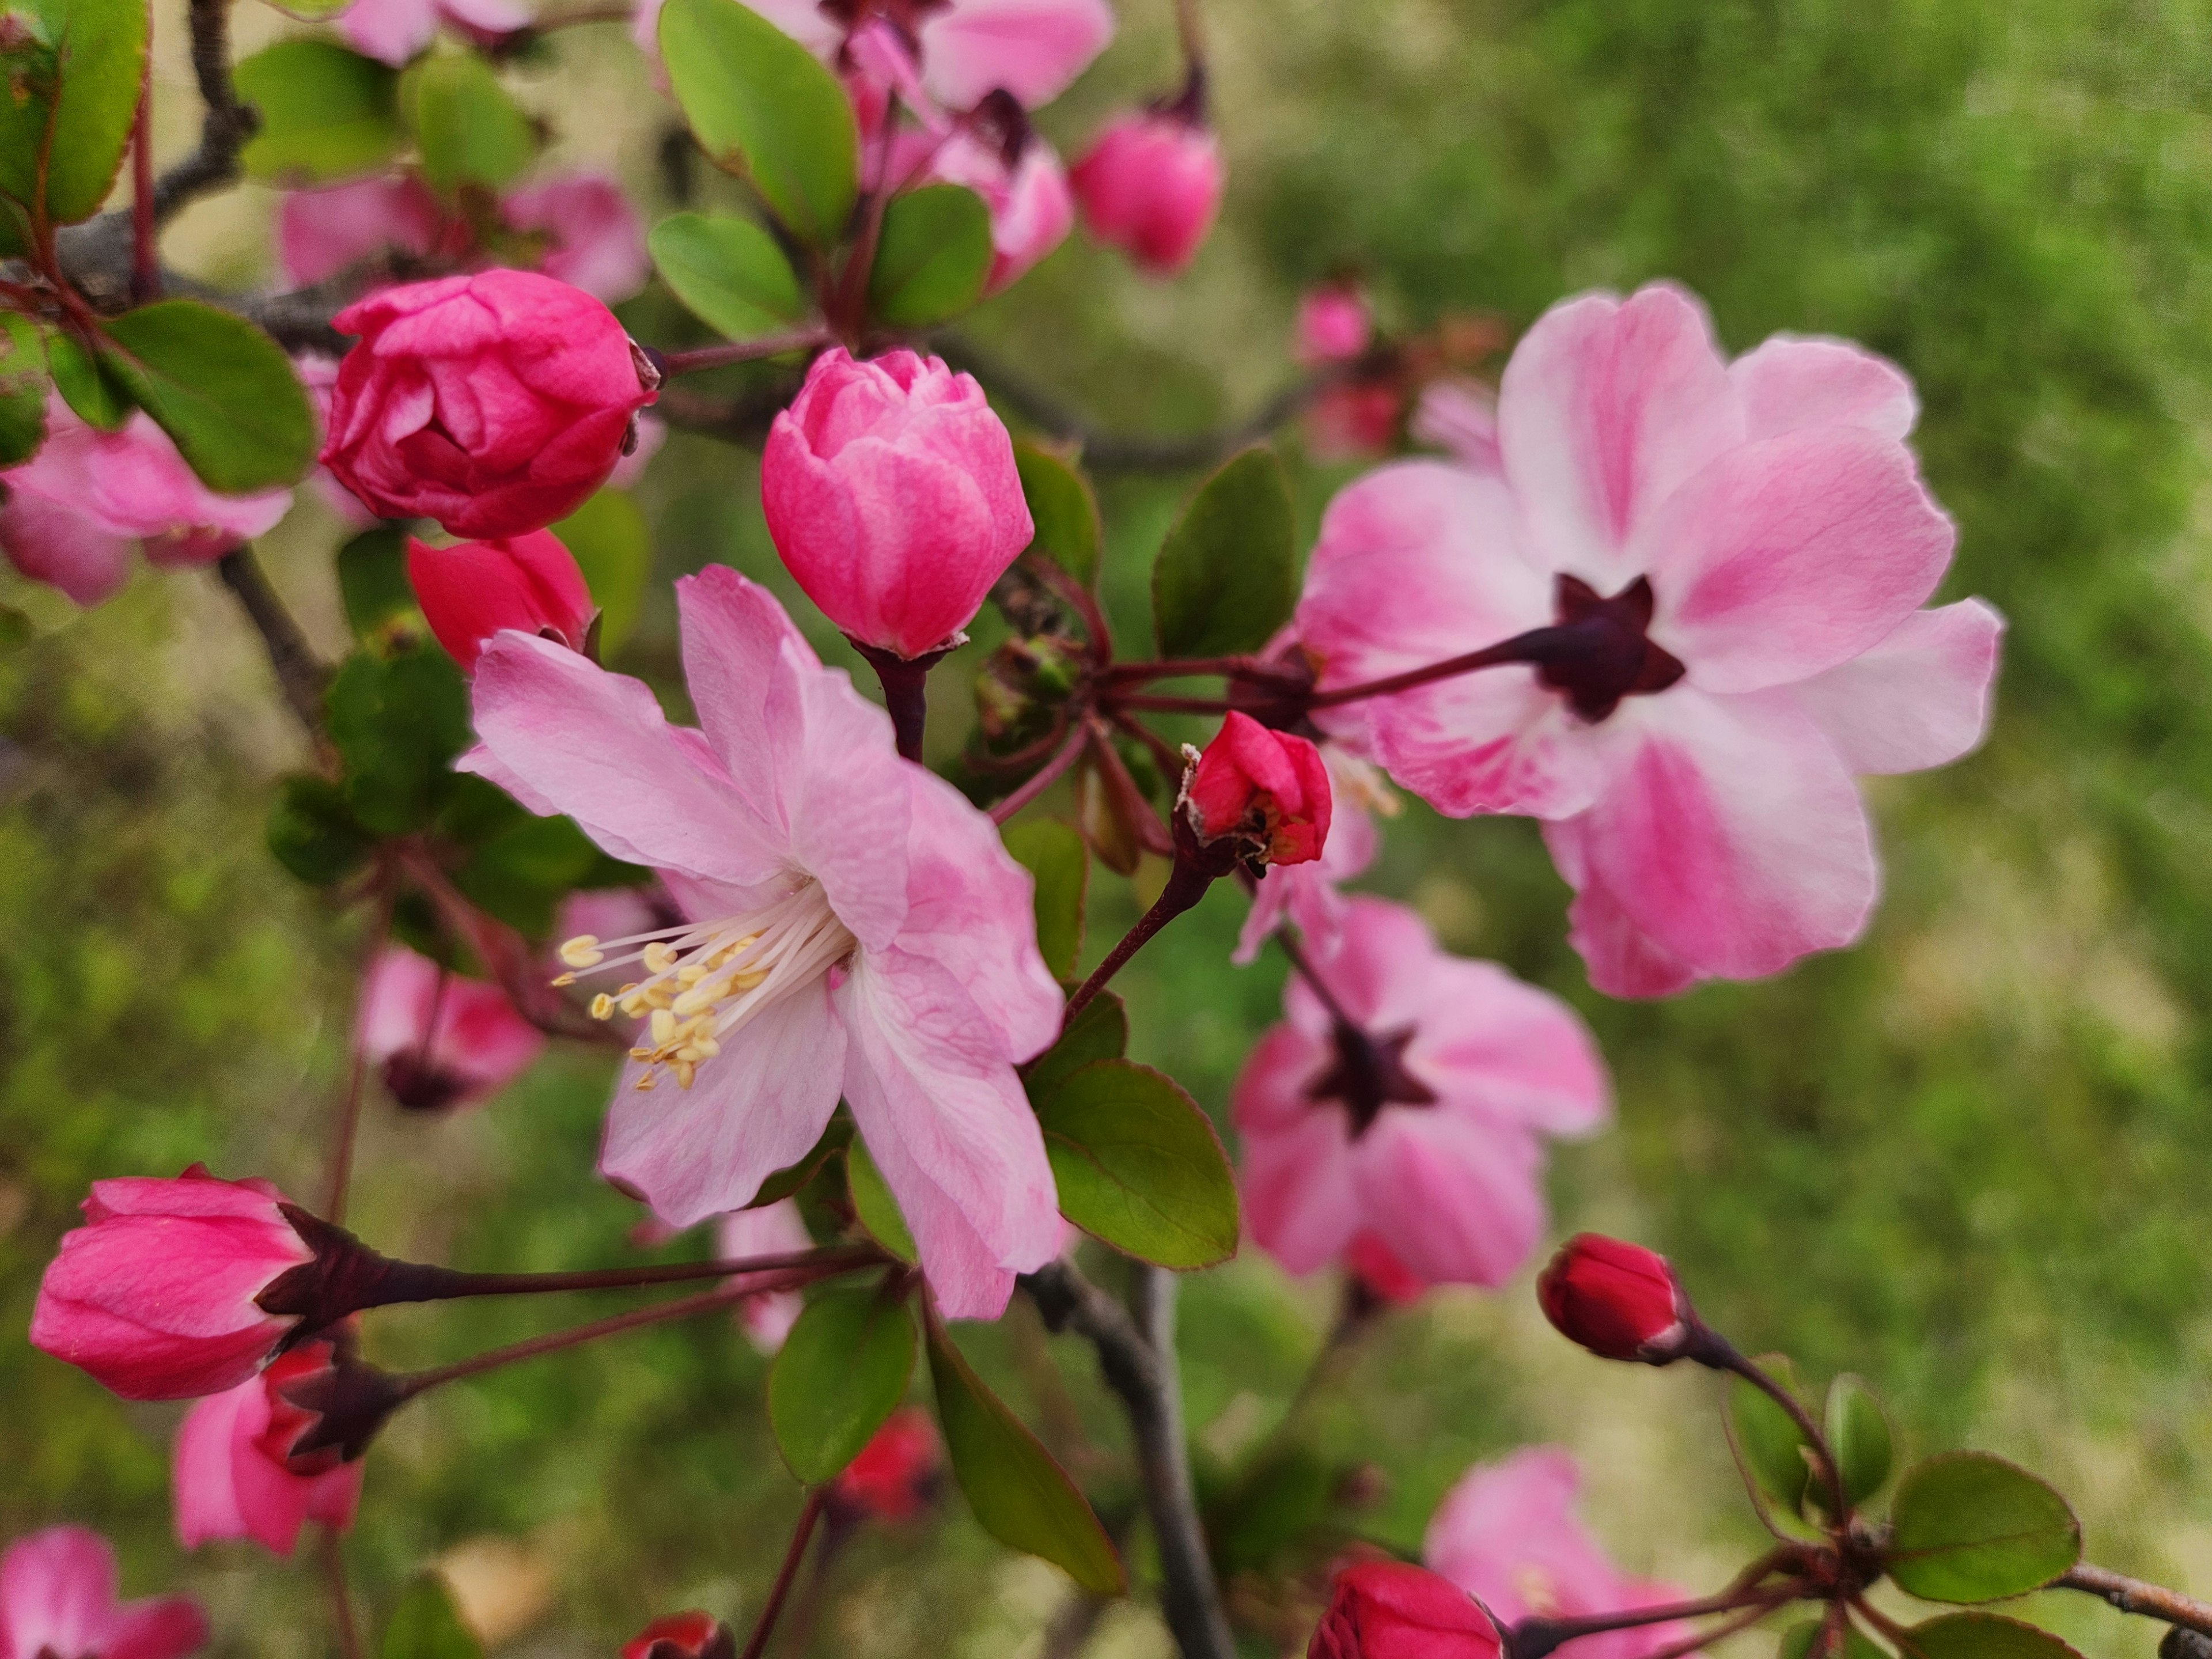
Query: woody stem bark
{"x": 2135, "y": 1596}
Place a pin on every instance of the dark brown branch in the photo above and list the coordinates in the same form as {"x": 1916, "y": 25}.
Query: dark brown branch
{"x": 225, "y": 127}
{"x": 299, "y": 673}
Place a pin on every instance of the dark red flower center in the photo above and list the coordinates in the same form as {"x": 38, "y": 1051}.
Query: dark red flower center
{"x": 1368, "y": 1073}
{"x": 1598, "y": 652}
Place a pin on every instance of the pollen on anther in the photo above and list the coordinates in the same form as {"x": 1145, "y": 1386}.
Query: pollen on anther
{"x": 603, "y": 1006}
{"x": 582, "y": 951}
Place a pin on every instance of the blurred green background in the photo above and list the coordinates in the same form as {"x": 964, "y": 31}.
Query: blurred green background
{"x": 1967, "y": 1159}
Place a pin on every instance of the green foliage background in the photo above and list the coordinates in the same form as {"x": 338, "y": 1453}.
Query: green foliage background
{"x": 1966, "y": 1159}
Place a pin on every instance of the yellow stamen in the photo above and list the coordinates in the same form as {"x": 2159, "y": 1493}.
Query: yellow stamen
{"x": 603, "y": 1006}
{"x": 582, "y": 951}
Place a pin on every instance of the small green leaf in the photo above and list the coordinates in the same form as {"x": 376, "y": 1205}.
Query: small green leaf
{"x": 1858, "y": 1434}
{"x": 613, "y": 548}
{"x": 220, "y": 387}
{"x": 1020, "y": 1495}
{"x": 729, "y": 271}
{"x": 1138, "y": 1165}
{"x": 74, "y": 95}
{"x": 1100, "y": 1031}
{"x": 1227, "y": 574}
{"x": 1982, "y": 1636}
{"x": 1274, "y": 1506}
{"x": 840, "y": 1373}
{"x": 759, "y": 103}
{"x": 22, "y": 389}
{"x": 1052, "y": 854}
{"x": 1967, "y": 1527}
{"x": 1773, "y": 1449}
{"x": 313, "y": 833}
{"x": 789, "y": 1179}
{"x": 522, "y": 874}
{"x": 1065, "y": 511}
{"x": 1797, "y": 1644}
{"x": 372, "y": 582}
{"x": 90, "y": 386}
{"x": 932, "y": 258}
{"x": 326, "y": 112}
{"x": 425, "y": 1627}
{"x": 397, "y": 724}
{"x": 874, "y": 1204}
{"x": 468, "y": 128}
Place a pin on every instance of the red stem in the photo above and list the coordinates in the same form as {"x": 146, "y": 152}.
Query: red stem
{"x": 1186, "y": 886}
{"x": 742, "y": 351}
{"x": 756, "y": 1644}
{"x": 1042, "y": 780}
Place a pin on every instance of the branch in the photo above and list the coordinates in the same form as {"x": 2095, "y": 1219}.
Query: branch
{"x": 224, "y": 128}
{"x": 299, "y": 673}
{"x": 1138, "y": 1365}
{"x": 2133, "y": 1596}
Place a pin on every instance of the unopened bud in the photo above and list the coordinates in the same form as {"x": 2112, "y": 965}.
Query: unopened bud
{"x": 1619, "y": 1300}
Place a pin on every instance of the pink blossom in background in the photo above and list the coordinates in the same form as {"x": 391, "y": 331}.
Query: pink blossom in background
{"x": 1305, "y": 894}
{"x": 890, "y": 492}
{"x": 1150, "y": 185}
{"x": 1334, "y": 324}
{"x": 227, "y": 1483}
{"x": 438, "y": 1039}
{"x": 594, "y": 238}
{"x": 1507, "y": 1533}
{"x": 395, "y": 32}
{"x": 652, "y": 431}
{"x": 1737, "y": 555}
{"x": 1423, "y": 1127}
{"x": 1460, "y": 418}
{"x": 968, "y": 49}
{"x": 1031, "y": 205}
{"x": 57, "y": 1601}
{"x": 892, "y": 1478}
{"x": 772, "y": 1229}
{"x": 863, "y": 930}
{"x": 1355, "y": 419}
{"x": 74, "y": 509}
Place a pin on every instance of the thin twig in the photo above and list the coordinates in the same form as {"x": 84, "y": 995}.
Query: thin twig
{"x": 742, "y": 351}
{"x": 1186, "y": 886}
{"x": 145, "y": 264}
{"x": 227, "y": 124}
{"x": 2135, "y": 1596}
{"x": 299, "y": 674}
{"x": 764, "y": 1627}
{"x": 1042, "y": 778}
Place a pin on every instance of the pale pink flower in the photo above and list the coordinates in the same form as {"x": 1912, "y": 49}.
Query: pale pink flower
{"x": 226, "y": 1484}
{"x": 323, "y": 232}
{"x": 1334, "y": 324}
{"x": 395, "y": 32}
{"x": 1306, "y": 895}
{"x": 1507, "y": 1534}
{"x": 859, "y": 927}
{"x": 1730, "y": 561}
{"x": 439, "y": 1039}
{"x": 1460, "y": 418}
{"x": 58, "y": 1601}
{"x": 1031, "y": 208}
{"x": 73, "y": 509}
{"x": 772, "y": 1229}
{"x": 1422, "y": 1121}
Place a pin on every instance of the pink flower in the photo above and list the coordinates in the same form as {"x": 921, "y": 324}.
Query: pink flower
{"x": 494, "y": 403}
{"x": 1726, "y": 562}
{"x": 1389, "y": 1610}
{"x": 692, "y": 1635}
{"x": 229, "y": 1481}
{"x": 772, "y": 1229}
{"x": 1305, "y": 894}
{"x": 860, "y": 928}
{"x": 74, "y": 508}
{"x": 594, "y": 240}
{"x": 1507, "y": 1534}
{"x": 1355, "y": 421}
{"x": 395, "y": 32}
{"x": 891, "y": 1478}
{"x": 1619, "y": 1300}
{"x": 969, "y": 49}
{"x": 1031, "y": 205}
{"x": 155, "y": 1295}
{"x": 321, "y": 233}
{"x": 1460, "y": 418}
{"x": 439, "y": 1040}
{"x": 469, "y": 591}
{"x": 1267, "y": 789}
{"x": 891, "y": 492}
{"x": 1334, "y": 324}
{"x": 58, "y": 1601}
{"x": 1150, "y": 186}
{"x": 1420, "y": 1122}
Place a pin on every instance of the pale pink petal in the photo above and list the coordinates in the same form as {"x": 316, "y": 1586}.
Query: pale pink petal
{"x": 390, "y": 31}
{"x": 1919, "y": 698}
{"x": 598, "y": 241}
{"x": 1031, "y": 48}
{"x": 742, "y": 661}
{"x": 805, "y": 22}
{"x": 50, "y": 542}
{"x": 56, "y": 1592}
{"x": 1622, "y": 959}
{"x": 1791, "y": 555}
{"x": 1296, "y": 1175}
{"x": 1460, "y": 418}
{"x": 1506, "y": 1532}
{"x": 1790, "y": 381}
{"x": 1494, "y": 1045}
{"x": 320, "y": 233}
{"x": 1458, "y": 1202}
{"x": 772, "y": 1229}
{"x": 484, "y": 22}
{"x": 851, "y": 806}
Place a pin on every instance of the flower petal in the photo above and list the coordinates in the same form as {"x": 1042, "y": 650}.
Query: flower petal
{"x": 1032, "y": 48}
{"x": 1792, "y": 381}
{"x": 1919, "y": 698}
{"x": 1457, "y": 1201}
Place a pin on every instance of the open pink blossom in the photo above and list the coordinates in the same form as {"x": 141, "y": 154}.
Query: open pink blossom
{"x": 395, "y": 32}
{"x": 1419, "y": 1117}
{"x": 1305, "y": 894}
{"x": 58, "y": 1601}
{"x": 772, "y": 1229}
{"x": 73, "y": 509}
{"x": 1508, "y": 1535}
{"x": 1717, "y": 569}
{"x": 1460, "y": 418}
{"x": 968, "y": 49}
{"x": 856, "y": 927}
{"x": 228, "y": 1483}
{"x": 438, "y": 1039}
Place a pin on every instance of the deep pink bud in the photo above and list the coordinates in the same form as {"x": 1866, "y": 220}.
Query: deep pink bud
{"x": 1334, "y": 324}
{"x": 494, "y": 403}
{"x": 471, "y": 591}
{"x": 1389, "y": 1610}
{"x": 1267, "y": 788}
{"x": 1619, "y": 1300}
{"x": 692, "y": 1635}
{"x": 891, "y": 491}
{"x": 232, "y": 1474}
{"x": 1151, "y": 186}
{"x": 892, "y": 1476}
{"x": 155, "y": 1294}
{"x": 57, "y": 1597}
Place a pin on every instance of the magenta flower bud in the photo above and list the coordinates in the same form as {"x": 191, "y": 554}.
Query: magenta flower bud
{"x": 693, "y": 1635}
{"x": 232, "y": 1472}
{"x": 1267, "y": 790}
{"x": 1334, "y": 324}
{"x": 1150, "y": 186}
{"x": 1619, "y": 1300}
{"x": 494, "y": 403}
{"x": 891, "y": 492}
{"x": 1389, "y": 1610}
{"x": 155, "y": 1295}
{"x": 471, "y": 591}
{"x": 897, "y": 1473}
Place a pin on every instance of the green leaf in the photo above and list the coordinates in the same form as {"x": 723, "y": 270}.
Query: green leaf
{"x": 1275, "y": 1505}
{"x": 789, "y": 1179}
{"x": 1773, "y": 1449}
{"x": 1858, "y": 1433}
{"x": 1982, "y": 1636}
{"x": 22, "y": 389}
{"x": 326, "y": 112}
{"x": 1138, "y": 1165}
{"x": 1101, "y": 1031}
{"x": 397, "y": 724}
{"x": 1020, "y": 1495}
{"x": 759, "y": 103}
{"x": 1797, "y": 1642}
{"x": 874, "y": 1204}
{"x": 613, "y": 547}
{"x": 840, "y": 1373}
{"x": 1052, "y": 854}
{"x": 1968, "y": 1527}
{"x": 425, "y": 1627}
{"x": 313, "y": 833}
{"x": 91, "y": 389}
{"x": 729, "y": 271}
{"x": 219, "y": 386}
{"x": 75, "y": 95}
{"x": 1064, "y": 509}
{"x": 931, "y": 258}
{"x": 372, "y": 582}
{"x": 468, "y": 128}
{"x": 1227, "y": 574}
{"x": 522, "y": 874}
